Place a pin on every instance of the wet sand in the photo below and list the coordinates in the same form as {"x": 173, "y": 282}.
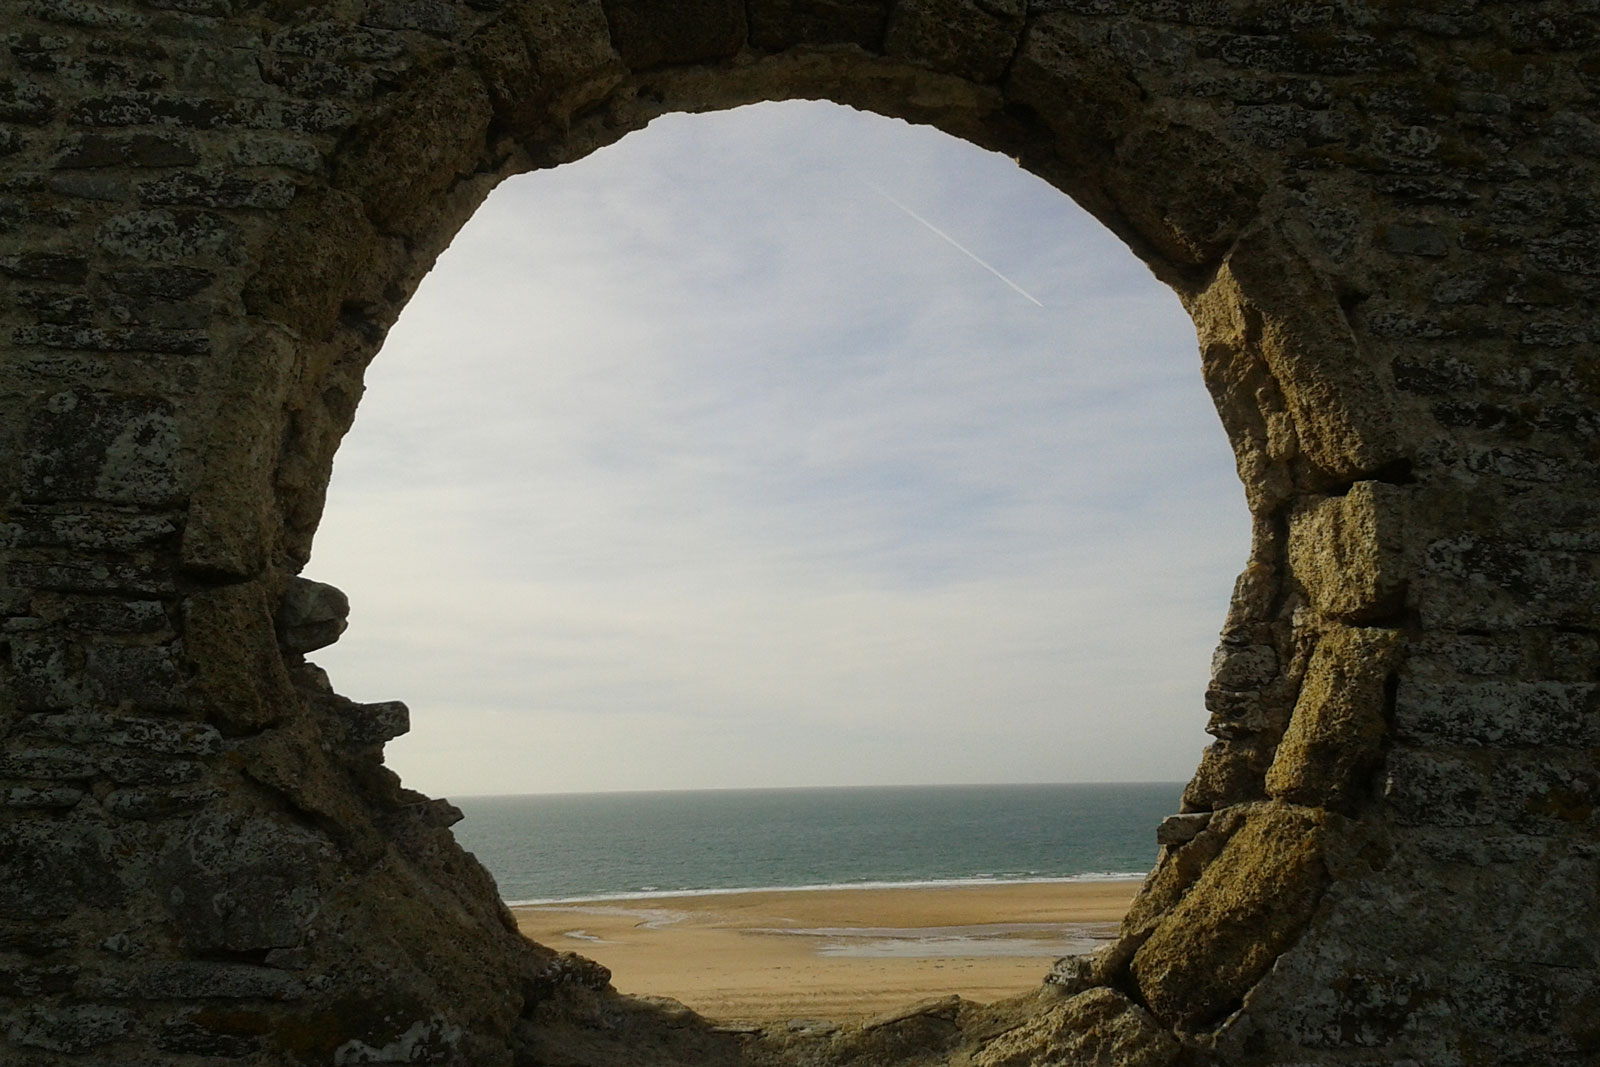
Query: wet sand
{"x": 839, "y": 954}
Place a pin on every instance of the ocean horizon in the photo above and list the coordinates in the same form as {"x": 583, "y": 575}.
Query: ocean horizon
{"x": 584, "y": 847}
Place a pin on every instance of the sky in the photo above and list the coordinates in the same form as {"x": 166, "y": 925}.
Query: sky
{"x": 784, "y": 446}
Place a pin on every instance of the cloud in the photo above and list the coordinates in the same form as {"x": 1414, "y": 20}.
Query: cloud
{"x": 695, "y": 463}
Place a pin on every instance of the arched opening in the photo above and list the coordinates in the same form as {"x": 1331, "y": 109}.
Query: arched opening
{"x": 709, "y": 462}
{"x": 1307, "y": 410}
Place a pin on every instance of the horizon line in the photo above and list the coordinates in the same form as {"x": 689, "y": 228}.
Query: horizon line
{"x": 801, "y": 788}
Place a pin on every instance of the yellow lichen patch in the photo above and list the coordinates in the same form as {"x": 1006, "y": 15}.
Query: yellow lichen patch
{"x": 1347, "y": 551}
{"x": 1098, "y": 1026}
{"x": 1336, "y": 734}
{"x": 1248, "y": 906}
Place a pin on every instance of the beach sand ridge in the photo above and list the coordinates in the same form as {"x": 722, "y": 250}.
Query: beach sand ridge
{"x": 839, "y": 954}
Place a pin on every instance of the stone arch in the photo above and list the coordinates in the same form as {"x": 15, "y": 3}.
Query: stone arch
{"x": 209, "y": 233}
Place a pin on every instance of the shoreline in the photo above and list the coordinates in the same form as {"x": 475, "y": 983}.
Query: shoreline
{"x": 840, "y": 953}
{"x": 646, "y": 893}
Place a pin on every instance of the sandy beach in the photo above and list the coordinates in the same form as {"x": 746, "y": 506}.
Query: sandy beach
{"x": 837, "y": 954}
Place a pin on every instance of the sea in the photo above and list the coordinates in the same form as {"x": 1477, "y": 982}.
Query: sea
{"x": 558, "y": 848}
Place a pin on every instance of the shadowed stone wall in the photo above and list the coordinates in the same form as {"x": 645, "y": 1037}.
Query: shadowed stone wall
{"x": 1381, "y": 215}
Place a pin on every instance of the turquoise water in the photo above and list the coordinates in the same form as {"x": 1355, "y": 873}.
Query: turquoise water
{"x": 595, "y": 845}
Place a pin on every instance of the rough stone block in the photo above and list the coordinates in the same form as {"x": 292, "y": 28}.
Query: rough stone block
{"x": 1239, "y": 715}
{"x": 47, "y": 672}
{"x": 266, "y": 150}
{"x": 14, "y": 602}
{"x": 148, "y": 677}
{"x": 1428, "y": 789}
{"x": 295, "y": 760}
{"x": 967, "y": 38}
{"x": 241, "y": 681}
{"x": 304, "y": 116}
{"x": 71, "y": 1028}
{"x": 48, "y": 797}
{"x": 146, "y": 803}
{"x": 1279, "y": 125}
{"x": 51, "y": 868}
{"x": 1518, "y": 714}
{"x": 113, "y": 339}
{"x": 91, "y": 16}
{"x": 24, "y": 979}
{"x": 1242, "y": 667}
{"x": 118, "y": 616}
{"x": 943, "y": 1008}
{"x": 1335, "y": 736}
{"x": 373, "y": 724}
{"x": 90, "y": 186}
{"x": 1181, "y": 829}
{"x": 166, "y": 283}
{"x": 433, "y": 1038}
{"x": 96, "y": 531}
{"x": 1576, "y": 251}
{"x": 1572, "y": 656}
{"x": 136, "y": 150}
{"x": 1098, "y": 1026}
{"x": 54, "y": 308}
{"x": 1267, "y": 299}
{"x": 1061, "y": 70}
{"x": 1176, "y": 872}
{"x": 1349, "y": 552}
{"x": 145, "y": 108}
{"x": 218, "y": 189}
{"x": 1247, "y": 907}
{"x": 1199, "y": 224}
{"x": 240, "y": 884}
{"x": 198, "y": 980}
{"x": 1502, "y": 998}
{"x": 1447, "y": 655}
{"x": 47, "y": 764}
{"x": 779, "y": 24}
{"x": 311, "y": 615}
{"x": 25, "y": 102}
{"x": 648, "y": 34}
{"x": 559, "y": 59}
{"x": 1547, "y": 916}
{"x": 91, "y": 576}
{"x": 46, "y": 267}
{"x": 165, "y": 737}
{"x": 304, "y": 277}
{"x": 1345, "y": 53}
{"x": 1256, "y": 590}
{"x": 1230, "y": 772}
{"x": 199, "y": 1034}
{"x": 104, "y": 447}
{"x": 1074, "y": 974}
{"x": 33, "y": 939}
{"x": 428, "y": 16}
{"x": 148, "y": 770}
{"x": 1415, "y": 239}
{"x": 1474, "y": 582}
{"x": 161, "y": 234}
{"x": 1344, "y": 1005}
{"x": 1545, "y": 794}
{"x": 440, "y": 813}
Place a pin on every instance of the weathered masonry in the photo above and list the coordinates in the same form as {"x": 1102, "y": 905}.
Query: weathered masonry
{"x": 1382, "y": 215}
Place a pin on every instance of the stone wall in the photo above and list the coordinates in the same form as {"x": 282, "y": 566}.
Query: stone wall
{"x": 1381, "y": 215}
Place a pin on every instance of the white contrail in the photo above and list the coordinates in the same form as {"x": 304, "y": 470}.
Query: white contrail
{"x": 959, "y": 246}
